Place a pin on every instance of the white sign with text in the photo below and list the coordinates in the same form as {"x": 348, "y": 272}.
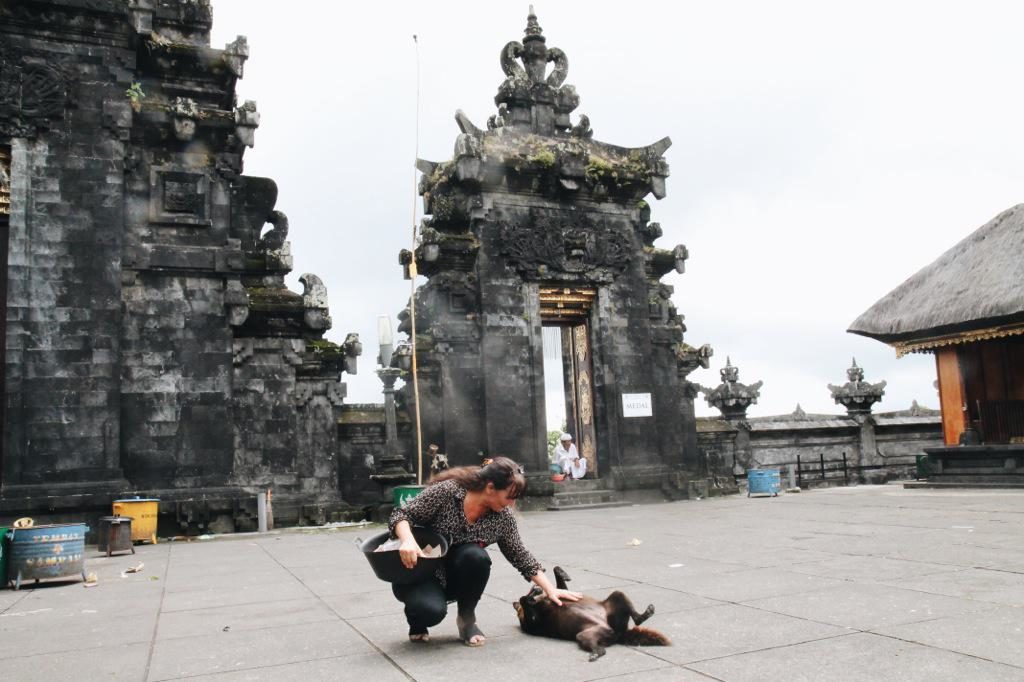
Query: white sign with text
{"x": 636, "y": 405}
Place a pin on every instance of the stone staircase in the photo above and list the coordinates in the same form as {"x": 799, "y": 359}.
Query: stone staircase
{"x": 973, "y": 466}
{"x": 585, "y": 494}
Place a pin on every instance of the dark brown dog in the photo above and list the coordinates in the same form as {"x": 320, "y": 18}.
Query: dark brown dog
{"x": 593, "y": 624}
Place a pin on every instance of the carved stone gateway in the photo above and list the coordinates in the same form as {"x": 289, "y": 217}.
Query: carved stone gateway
{"x": 535, "y": 223}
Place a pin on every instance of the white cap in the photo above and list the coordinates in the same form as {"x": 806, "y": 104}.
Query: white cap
{"x": 565, "y": 436}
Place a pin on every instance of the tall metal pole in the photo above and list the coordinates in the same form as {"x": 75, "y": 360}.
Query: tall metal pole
{"x": 412, "y": 281}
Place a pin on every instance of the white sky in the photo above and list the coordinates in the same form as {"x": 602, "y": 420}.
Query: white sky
{"x": 822, "y": 153}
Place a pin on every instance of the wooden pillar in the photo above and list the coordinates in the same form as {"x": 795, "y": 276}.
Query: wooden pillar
{"x": 951, "y": 394}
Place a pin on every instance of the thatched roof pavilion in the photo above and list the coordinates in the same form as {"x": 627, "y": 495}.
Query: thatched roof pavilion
{"x": 974, "y": 291}
{"x": 968, "y": 308}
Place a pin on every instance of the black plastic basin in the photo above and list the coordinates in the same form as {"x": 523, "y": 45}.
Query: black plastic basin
{"x": 388, "y": 565}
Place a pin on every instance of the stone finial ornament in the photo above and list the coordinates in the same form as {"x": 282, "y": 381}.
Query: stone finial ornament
{"x": 532, "y": 100}
{"x": 732, "y": 398}
{"x": 857, "y": 395}
{"x": 315, "y": 308}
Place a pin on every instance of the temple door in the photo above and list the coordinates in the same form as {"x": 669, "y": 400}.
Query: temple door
{"x": 579, "y": 392}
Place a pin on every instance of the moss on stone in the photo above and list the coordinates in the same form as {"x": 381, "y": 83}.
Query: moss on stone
{"x": 545, "y": 158}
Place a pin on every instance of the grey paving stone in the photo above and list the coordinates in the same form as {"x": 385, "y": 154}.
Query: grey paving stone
{"x": 354, "y": 667}
{"x": 361, "y": 604}
{"x": 44, "y": 630}
{"x": 730, "y": 629}
{"x": 856, "y": 657}
{"x": 9, "y": 598}
{"x": 258, "y": 616}
{"x": 232, "y": 651}
{"x": 268, "y": 591}
{"x": 994, "y": 635}
{"x": 870, "y": 568}
{"x": 334, "y": 579}
{"x": 739, "y": 586}
{"x": 515, "y": 658}
{"x": 115, "y": 661}
{"x": 1000, "y": 587}
{"x": 306, "y": 605}
{"x": 672, "y": 673}
{"x": 864, "y": 606}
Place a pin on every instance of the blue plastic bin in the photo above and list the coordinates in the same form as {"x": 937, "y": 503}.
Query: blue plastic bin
{"x": 763, "y": 481}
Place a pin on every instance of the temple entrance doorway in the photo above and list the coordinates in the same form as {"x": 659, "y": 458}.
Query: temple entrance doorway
{"x": 568, "y": 368}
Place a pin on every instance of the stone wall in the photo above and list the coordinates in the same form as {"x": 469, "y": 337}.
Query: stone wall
{"x": 877, "y": 447}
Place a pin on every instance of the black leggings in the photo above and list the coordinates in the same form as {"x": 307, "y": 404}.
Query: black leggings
{"x": 467, "y": 568}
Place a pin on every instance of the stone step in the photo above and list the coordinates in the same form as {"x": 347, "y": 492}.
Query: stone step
{"x": 967, "y": 482}
{"x": 580, "y": 498}
{"x": 597, "y": 505}
{"x": 976, "y": 477}
{"x": 580, "y": 484}
{"x": 976, "y": 471}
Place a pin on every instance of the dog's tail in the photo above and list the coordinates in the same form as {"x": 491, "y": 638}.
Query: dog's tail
{"x": 645, "y": 637}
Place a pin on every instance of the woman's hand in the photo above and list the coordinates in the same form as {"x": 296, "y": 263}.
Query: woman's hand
{"x": 409, "y": 551}
{"x": 556, "y": 596}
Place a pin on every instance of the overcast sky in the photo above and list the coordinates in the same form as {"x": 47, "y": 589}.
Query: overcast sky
{"x": 822, "y": 153}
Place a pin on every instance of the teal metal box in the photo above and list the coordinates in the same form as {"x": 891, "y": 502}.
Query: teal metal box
{"x": 763, "y": 481}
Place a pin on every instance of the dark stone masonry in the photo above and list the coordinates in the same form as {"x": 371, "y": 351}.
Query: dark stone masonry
{"x": 152, "y": 346}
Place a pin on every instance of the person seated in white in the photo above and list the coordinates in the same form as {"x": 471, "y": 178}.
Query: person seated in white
{"x": 569, "y": 459}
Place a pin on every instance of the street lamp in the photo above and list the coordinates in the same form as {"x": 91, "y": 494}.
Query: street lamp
{"x": 391, "y": 470}
{"x": 386, "y": 340}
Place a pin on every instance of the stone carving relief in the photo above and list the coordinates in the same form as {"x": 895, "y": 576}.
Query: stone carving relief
{"x": 575, "y": 245}
{"x": 237, "y": 301}
{"x": 5, "y": 181}
{"x": 178, "y": 197}
{"x": 184, "y": 114}
{"x": 32, "y": 94}
{"x": 242, "y": 350}
{"x": 333, "y": 391}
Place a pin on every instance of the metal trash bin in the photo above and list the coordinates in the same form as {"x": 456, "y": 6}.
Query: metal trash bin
{"x": 115, "y": 534}
{"x": 404, "y": 493}
{"x": 763, "y": 481}
{"x": 923, "y": 467}
{"x": 3, "y": 557}
{"x": 144, "y": 515}
{"x": 41, "y": 552}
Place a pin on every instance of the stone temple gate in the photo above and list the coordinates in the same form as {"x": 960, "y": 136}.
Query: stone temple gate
{"x": 533, "y": 224}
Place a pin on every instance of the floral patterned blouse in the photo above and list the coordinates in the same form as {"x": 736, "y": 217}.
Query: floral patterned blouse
{"x": 441, "y": 507}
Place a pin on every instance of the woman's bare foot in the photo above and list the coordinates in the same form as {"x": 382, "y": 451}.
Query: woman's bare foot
{"x": 419, "y": 636}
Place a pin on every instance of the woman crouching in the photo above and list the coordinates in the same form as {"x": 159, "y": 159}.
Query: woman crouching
{"x": 472, "y": 506}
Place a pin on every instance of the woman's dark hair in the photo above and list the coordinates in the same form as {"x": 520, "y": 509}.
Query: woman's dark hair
{"x": 501, "y": 471}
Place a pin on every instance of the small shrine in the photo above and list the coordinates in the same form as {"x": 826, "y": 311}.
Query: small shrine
{"x": 730, "y": 397}
{"x": 857, "y": 395}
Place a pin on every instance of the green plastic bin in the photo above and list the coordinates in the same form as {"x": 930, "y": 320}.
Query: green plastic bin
{"x": 404, "y": 493}
{"x": 3, "y": 557}
{"x": 924, "y": 467}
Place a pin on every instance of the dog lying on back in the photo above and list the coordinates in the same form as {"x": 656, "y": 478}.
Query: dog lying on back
{"x": 593, "y": 624}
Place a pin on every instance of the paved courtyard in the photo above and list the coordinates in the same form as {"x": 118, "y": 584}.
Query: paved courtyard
{"x": 863, "y": 583}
